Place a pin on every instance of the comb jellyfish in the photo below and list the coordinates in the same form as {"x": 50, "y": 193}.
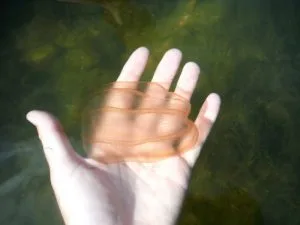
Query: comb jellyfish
{"x": 137, "y": 121}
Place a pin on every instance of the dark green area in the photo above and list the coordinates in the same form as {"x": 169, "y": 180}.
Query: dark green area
{"x": 55, "y": 55}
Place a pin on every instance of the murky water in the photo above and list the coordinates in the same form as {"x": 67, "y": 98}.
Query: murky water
{"x": 54, "y": 55}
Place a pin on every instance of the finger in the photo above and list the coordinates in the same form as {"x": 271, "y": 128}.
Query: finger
{"x": 204, "y": 122}
{"x": 56, "y": 146}
{"x": 128, "y": 78}
{"x": 187, "y": 81}
{"x": 179, "y": 102}
{"x": 167, "y": 68}
{"x": 135, "y": 65}
{"x": 130, "y": 74}
{"x": 163, "y": 75}
{"x": 119, "y": 96}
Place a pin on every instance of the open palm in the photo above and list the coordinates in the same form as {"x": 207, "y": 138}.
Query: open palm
{"x": 129, "y": 192}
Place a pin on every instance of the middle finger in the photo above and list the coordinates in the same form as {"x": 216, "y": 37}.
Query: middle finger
{"x": 155, "y": 95}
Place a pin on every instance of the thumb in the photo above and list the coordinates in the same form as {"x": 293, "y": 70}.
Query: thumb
{"x": 56, "y": 146}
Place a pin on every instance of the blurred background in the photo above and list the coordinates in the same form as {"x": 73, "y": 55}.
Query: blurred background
{"x": 54, "y": 55}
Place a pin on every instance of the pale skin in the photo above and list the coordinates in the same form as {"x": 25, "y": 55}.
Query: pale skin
{"x": 127, "y": 193}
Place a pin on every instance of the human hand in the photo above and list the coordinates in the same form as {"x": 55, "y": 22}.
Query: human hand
{"x": 91, "y": 192}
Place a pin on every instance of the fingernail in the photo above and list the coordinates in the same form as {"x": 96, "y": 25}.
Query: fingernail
{"x": 213, "y": 104}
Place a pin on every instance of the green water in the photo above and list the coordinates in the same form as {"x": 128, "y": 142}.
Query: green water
{"x": 55, "y": 55}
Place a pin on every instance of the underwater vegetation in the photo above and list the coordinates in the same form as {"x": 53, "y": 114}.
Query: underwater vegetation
{"x": 248, "y": 51}
{"x": 233, "y": 206}
{"x": 110, "y": 6}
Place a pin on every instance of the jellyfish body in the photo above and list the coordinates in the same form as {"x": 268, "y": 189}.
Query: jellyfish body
{"x": 137, "y": 121}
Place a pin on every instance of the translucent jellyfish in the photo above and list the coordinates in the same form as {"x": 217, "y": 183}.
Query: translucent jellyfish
{"x": 137, "y": 121}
